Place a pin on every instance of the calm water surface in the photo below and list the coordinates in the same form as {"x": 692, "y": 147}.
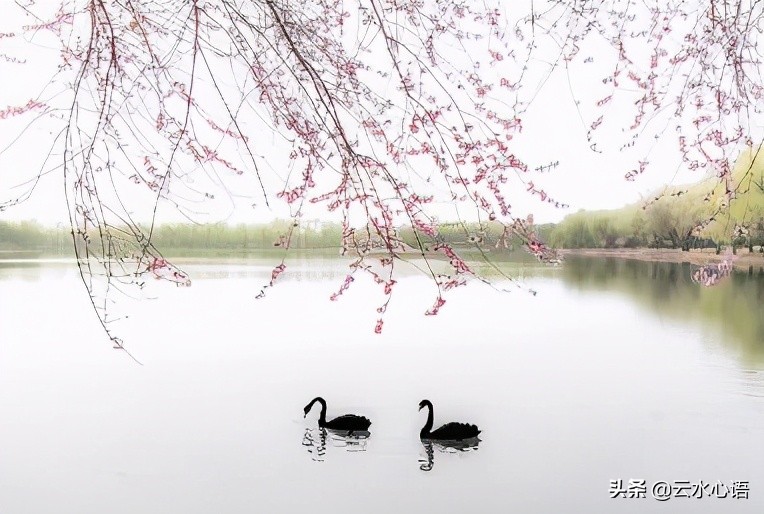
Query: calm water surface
{"x": 613, "y": 370}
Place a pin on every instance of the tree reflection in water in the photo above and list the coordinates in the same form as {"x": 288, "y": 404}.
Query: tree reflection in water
{"x": 732, "y": 309}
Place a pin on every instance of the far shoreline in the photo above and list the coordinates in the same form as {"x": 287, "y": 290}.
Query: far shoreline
{"x": 742, "y": 261}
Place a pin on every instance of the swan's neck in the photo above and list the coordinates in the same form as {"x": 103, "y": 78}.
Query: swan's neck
{"x": 322, "y": 416}
{"x": 427, "y": 426}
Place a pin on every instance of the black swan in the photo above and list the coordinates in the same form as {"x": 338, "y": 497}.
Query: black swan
{"x": 449, "y": 431}
{"x": 348, "y": 423}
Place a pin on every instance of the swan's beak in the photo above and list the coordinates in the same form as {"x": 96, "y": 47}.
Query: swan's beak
{"x": 421, "y": 406}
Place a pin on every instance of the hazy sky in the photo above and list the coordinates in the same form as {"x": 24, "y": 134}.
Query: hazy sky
{"x": 554, "y": 129}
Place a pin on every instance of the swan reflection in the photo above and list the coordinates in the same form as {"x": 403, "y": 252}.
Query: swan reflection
{"x": 315, "y": 441}
{"x": 427, "y": 462}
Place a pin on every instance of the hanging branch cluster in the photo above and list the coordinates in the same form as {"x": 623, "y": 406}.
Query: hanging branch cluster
{"x": 687, "y": 70}
{"x": 380, "y": 110}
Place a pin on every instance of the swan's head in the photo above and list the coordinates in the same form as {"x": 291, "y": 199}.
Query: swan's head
{"x": 310, "y": 405}
{"x": 424, "y": 403}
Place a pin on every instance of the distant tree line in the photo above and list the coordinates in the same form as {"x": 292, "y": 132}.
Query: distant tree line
{"x": 668, "y": 223}
{"x": 663, "y": 225}
{"x": 309, "y": 234}
{"x": 486, "y": 236}
{"x": 697, "y": 216}
{"x": 30, "y": 236}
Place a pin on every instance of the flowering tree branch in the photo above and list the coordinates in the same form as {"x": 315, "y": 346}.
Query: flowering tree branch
{"x": 378, "y": 110}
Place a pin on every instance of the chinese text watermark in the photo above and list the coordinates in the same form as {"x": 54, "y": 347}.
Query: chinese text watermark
{"x": 662, "y": 490}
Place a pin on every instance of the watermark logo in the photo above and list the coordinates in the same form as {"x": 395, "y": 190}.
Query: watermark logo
{"x": 663, "y": 490}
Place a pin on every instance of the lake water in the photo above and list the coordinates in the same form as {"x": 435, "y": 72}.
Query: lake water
{"x": 614, "y": 370}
